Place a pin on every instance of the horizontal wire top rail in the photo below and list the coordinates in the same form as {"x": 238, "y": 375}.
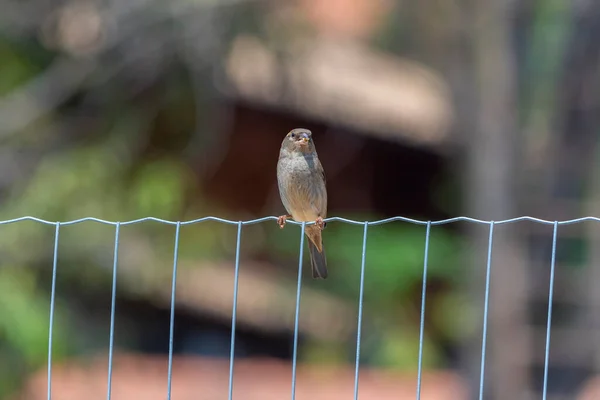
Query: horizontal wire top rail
{"x": 240, "y": 224}
{"x": 331, "y": 219}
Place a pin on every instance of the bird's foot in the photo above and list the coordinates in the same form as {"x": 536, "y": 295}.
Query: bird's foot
{"x": 282, "y": 219}
{"x": 320, "y": 223}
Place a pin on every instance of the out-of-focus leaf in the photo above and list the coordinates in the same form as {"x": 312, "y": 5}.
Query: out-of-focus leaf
{"x": 24, "y": 321}
{"x": 158, "y": 190}
{"x": 400, "y": 350}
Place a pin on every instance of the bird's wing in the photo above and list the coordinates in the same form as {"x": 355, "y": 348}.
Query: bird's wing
{"x": 321, "y": 172}
{"x": 322, "y": 199}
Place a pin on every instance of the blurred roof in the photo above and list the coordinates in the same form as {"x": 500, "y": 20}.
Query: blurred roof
{"x": 343, "y": 83}
{"x": 591, "y": 389}
{"x": 358, "y": 19}
{"x": 145, "y": 377}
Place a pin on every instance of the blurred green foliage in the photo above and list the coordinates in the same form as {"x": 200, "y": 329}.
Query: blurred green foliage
{"x": 20, "y": 62}
{"x": 87, "y": 180}
{"x": 393, "y": 275}
{"x": 24, "y": 326}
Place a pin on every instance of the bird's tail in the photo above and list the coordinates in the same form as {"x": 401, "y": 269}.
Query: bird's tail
{"x": 318, "y": 262}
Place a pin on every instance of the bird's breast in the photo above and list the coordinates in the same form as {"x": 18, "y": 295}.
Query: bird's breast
{"x": 302, "y": 188}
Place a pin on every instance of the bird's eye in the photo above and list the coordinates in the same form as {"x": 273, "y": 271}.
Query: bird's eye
{"x": 293, "y": 135}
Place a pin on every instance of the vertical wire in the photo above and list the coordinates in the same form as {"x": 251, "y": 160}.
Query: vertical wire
{"x": 423, "y": 294}
{"x": 112, "y": 311}
{"x": 550, "y": 296}
{"x": 52, "y": 302}
{"x": 297, "y": 317}
{"x": 360, "y": 308}
{"x": 234, "y": 310}
{"x": 172, "y": 321}
{"x": 485, "y": 309}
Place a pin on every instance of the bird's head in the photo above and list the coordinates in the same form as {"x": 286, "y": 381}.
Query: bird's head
{"x": 299, "y": 139}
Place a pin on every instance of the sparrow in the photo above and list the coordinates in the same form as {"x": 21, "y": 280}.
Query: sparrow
{"x": 301, "y": 182}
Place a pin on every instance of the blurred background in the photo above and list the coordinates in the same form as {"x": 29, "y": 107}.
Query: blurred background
{"x": 176, "y": 109}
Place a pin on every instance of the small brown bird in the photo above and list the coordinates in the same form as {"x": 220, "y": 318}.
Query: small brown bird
{"x": 301, "y": 181}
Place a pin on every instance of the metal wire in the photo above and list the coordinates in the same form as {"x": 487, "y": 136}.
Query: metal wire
{"x": 422, "y": 325}
{"x": 112, "y": 312}
{"x": 297, "y": 316}
{"x": 234, "y": 310}
{"x": 360, "y": 308}
{"x": 292, "y": 222}
{"x": 172, "y": 320}
{"x": 52, "y": 302}
{"x": 303, "y": 225}
{"x": 485, "y": 309}
{"x": 549, "y": 324}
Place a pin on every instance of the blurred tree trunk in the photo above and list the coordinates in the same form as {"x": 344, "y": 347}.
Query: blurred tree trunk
{"x": 574, "y": 168}
{"x": 492, "y": 180}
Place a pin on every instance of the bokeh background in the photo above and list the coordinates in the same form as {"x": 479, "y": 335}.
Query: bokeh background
{"x": 176, "y": 109}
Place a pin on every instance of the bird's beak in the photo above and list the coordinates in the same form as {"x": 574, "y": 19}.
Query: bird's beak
{"x": 305, "y": 139}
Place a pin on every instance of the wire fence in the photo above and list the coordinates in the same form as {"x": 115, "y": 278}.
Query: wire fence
{"x": 240, "y": 225}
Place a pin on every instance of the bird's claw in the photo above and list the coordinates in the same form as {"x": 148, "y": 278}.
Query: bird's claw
{"x": 320, "y": 223}
{"x": 281, "y": 220}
